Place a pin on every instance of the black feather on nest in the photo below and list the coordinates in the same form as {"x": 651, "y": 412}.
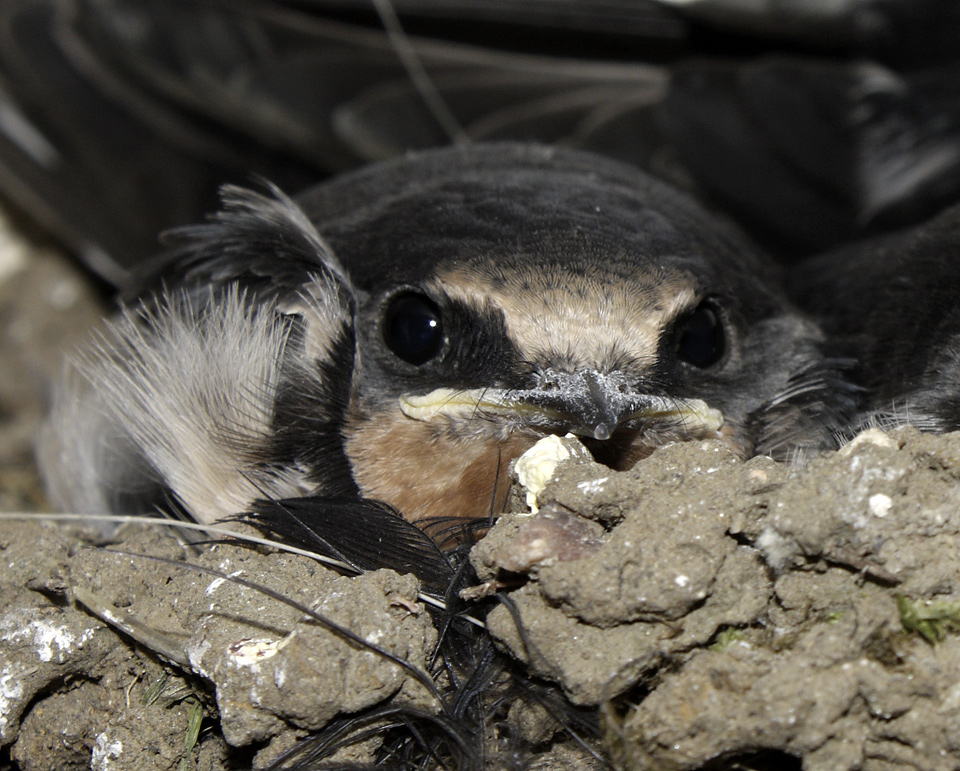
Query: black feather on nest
{"x": 477, "y": 683}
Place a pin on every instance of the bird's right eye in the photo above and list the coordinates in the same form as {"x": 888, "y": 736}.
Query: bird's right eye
{"x": 413, "y": 328}
{"x": 700, "y": 337}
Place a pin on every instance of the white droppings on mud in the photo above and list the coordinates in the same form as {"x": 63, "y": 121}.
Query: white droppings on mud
{"x": 104, "y": 751}
{"x": 880, "y": 504}
{"x": 592, "y": 486}
{"x": 218, "y": 582}
{"x": 777, "y": 549}
{"x": 48, "y": 639}
{"x": 11, "y": 690}
{"x": 871, "y": 436}
{"x": 250, "y": 652}
{"x": 538, "y": 465}
{"x": 196, "y": 654}
{"x": 867, "y": 479}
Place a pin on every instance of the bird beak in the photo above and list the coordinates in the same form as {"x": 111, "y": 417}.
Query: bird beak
{"x": 588, "y": 404}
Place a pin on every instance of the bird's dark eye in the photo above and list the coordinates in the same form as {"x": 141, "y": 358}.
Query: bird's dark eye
{"x": 700, "y": 338}
{"x": 412, "y": 328}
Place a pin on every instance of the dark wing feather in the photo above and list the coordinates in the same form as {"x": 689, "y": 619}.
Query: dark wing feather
{"x": 363, "y": 533}
{"x": 263, "y": 242}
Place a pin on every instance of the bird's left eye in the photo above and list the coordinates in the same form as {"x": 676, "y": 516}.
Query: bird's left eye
{"x": 700, "y": 340}
{"x": 412, "y": 328}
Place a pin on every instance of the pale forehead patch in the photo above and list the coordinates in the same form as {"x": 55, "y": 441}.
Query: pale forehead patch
{"x": 588, "y": 318}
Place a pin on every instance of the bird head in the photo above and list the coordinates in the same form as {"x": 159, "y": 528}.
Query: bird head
{"x": 505, "y": 293}
{"x": 404, "y": 332}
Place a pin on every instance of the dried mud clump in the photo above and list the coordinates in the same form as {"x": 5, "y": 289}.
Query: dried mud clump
{"x": 741, "y": 610}
{"x": 714, "y": 613}
{"x": 266, "y": 674}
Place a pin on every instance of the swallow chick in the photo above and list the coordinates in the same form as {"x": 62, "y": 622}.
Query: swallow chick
{"x": 890, "y": 303}
{"x": 404, "y": 332}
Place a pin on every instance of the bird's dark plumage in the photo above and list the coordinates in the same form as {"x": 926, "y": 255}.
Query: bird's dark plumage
{"x": 891, "y": 303}
{"x": 119, "y": 118}
{"x": 404, "y": 332}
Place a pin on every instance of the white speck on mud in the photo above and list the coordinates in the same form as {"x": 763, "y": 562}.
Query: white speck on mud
{"x": 48, "y": 639}
{"x": 104, "y": 751}
{"x": 592, "y": 486}
{"x": 218, "y": 582}
{"x": 880, "y": 504}
{"x": 11, "y": 690}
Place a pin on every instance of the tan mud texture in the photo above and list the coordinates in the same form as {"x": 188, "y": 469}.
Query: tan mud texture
{"x": 715, "y": 614}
